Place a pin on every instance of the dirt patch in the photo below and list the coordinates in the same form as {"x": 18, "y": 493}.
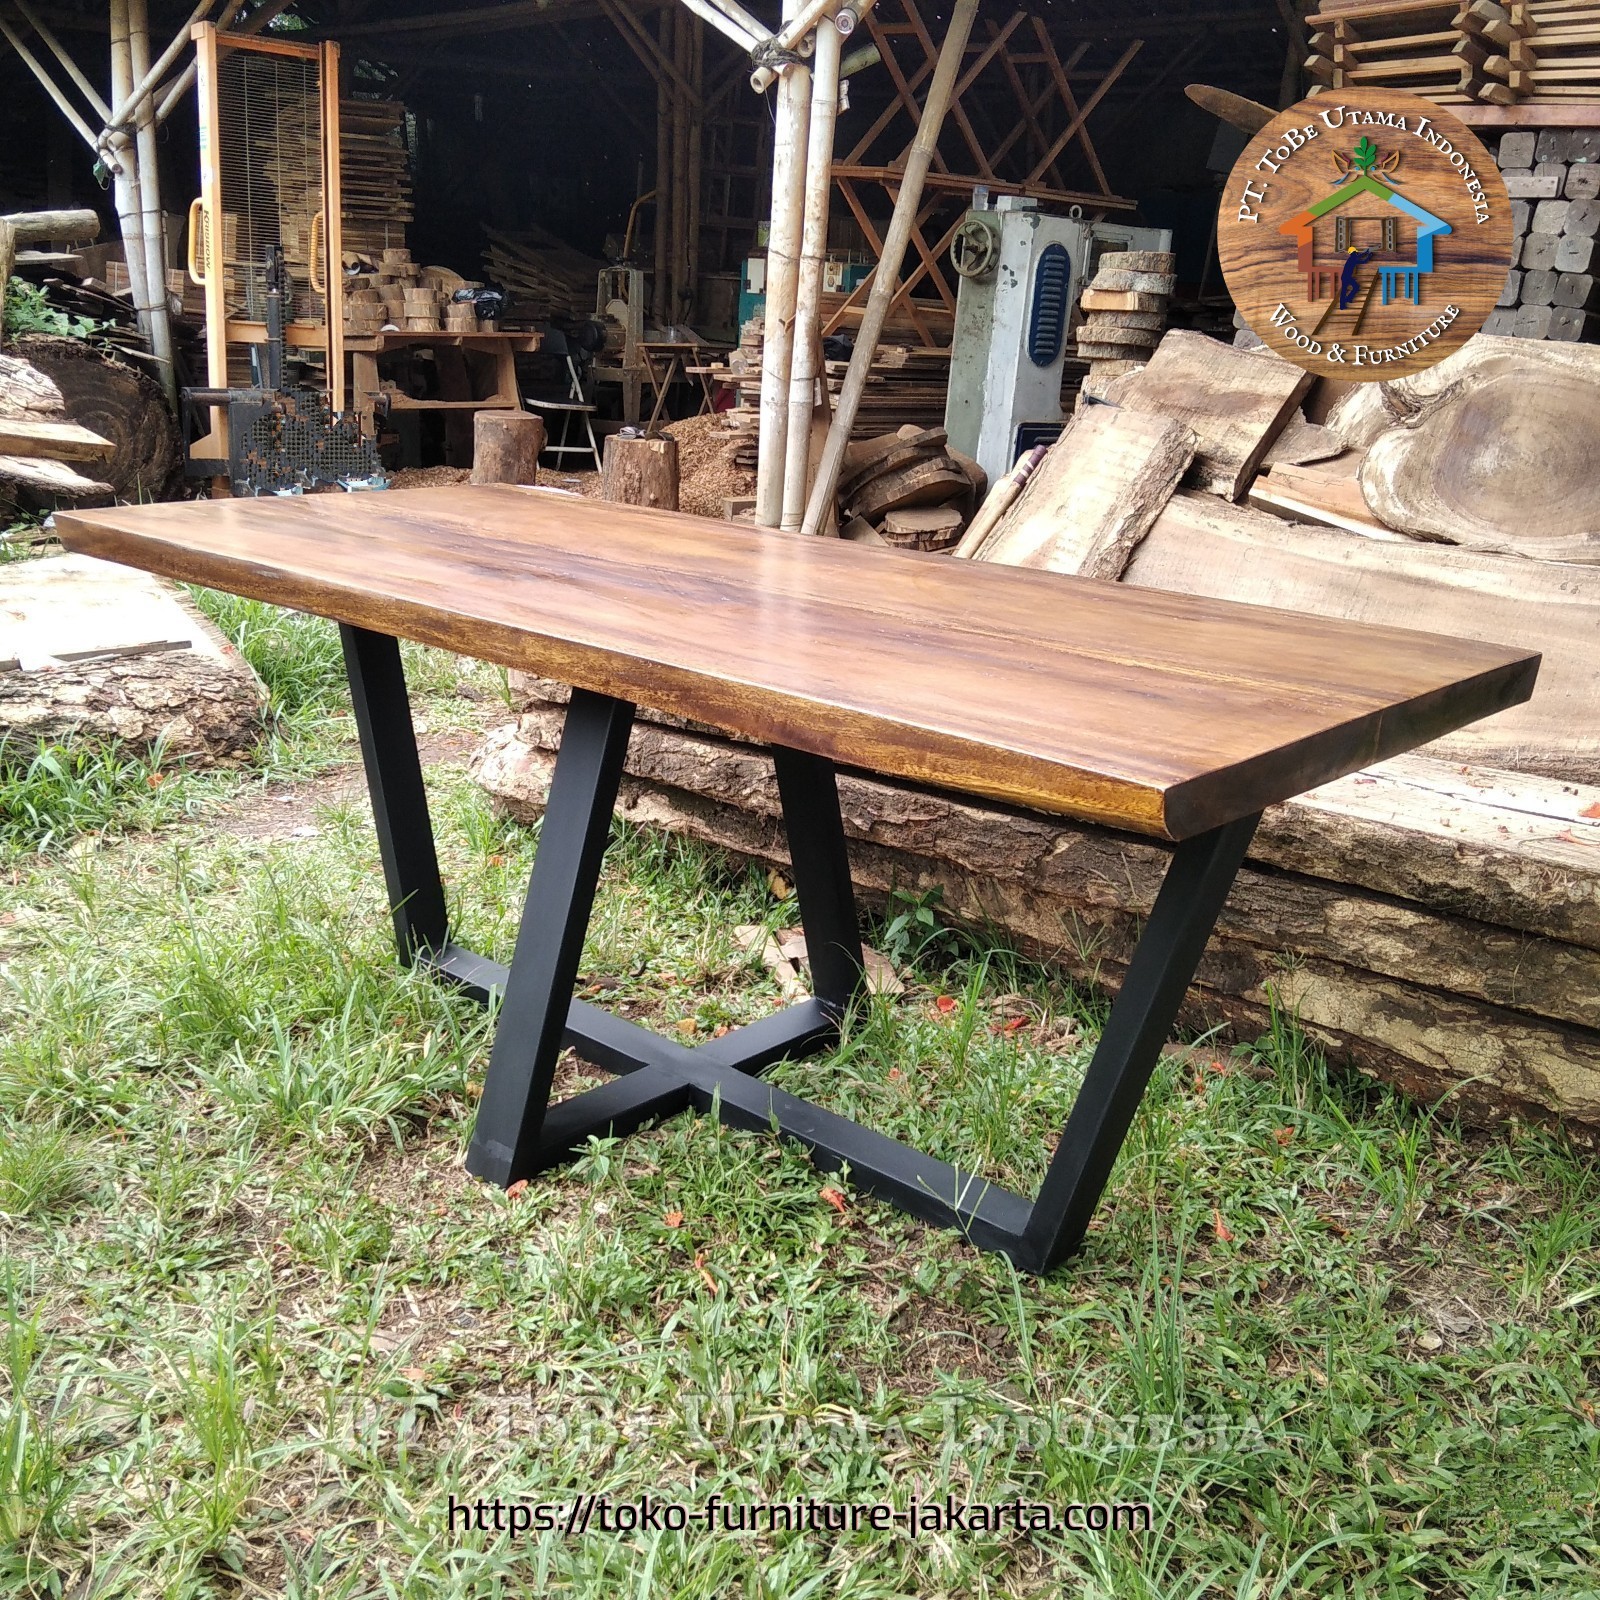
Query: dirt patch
{"x": 706, "y": 473}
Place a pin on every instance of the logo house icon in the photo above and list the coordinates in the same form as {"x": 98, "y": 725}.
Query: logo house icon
{"x": 1364, "y": 220}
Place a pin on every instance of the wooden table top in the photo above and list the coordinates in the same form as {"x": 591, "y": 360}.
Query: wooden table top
{"x": 1162, "y": 713}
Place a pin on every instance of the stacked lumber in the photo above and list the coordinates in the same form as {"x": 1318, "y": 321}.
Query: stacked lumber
{"x": 1125, "y": 312}
{"x": 544, "y": 277}
{"x": 401, "y": 293}
{"x": 909, "y": 489}
{"x": 374, "y": 176}
{"x": 840, "y": 316}
{"x": 1553, "y": 288}
{"x": 1453, "y": 51}
{"x": 1435, "y": 925}
{"x": 1460, "y": 51}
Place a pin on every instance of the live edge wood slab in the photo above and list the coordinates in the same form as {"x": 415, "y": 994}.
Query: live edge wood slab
{"x": 1165, "y": 714}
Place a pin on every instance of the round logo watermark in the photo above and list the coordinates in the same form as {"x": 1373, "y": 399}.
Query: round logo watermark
{"x": 1365, "y": 233}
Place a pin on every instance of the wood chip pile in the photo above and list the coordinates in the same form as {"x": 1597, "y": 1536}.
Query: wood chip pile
{"x": 709, "y": 469}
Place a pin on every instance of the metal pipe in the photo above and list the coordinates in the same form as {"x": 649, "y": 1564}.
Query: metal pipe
{"x": 806, "y": 365}
{"x": 783, "y": 267}
{"x": 85, "y": 88}
{"x": 63, "y": 105}
{"x": 887, "y": 276}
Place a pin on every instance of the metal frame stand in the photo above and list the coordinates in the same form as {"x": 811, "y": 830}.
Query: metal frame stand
{"x": 518, "y": 1132}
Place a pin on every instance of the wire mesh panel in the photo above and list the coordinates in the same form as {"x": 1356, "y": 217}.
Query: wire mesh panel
{"x": 270, "y": 157}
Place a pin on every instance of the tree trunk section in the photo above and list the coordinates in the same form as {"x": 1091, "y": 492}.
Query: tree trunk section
{"x": 641, "y": 472}
{"x": 112, "y": 398}
{"x": 506, "y": 446}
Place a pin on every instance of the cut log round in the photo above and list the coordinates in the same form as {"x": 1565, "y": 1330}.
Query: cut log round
{"x": 923, "y": 527}
{"x": 112, "y": 398}
{"x": 641, "y": 472}
{"x": 923, "y": 483}
{"x": 1498, "y": 462}
{"x": 506, "y": 446}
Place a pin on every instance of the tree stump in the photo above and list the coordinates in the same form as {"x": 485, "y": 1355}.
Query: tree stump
{"x": 506, "y": 446}
{"x": 641, "y": 472}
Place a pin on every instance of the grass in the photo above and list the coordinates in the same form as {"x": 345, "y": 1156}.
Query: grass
{"x": 258, "y": 1327}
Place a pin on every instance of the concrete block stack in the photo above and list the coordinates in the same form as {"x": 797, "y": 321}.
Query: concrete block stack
{"x": 1553, "y": 289}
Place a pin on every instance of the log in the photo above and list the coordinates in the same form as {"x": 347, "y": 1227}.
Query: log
{"x": 506, "y": 446}
{"x": 1236, "y": 401}
{"x": 112, "y": 398}
{"x": 641, "y": 472}
{"x": 57, "y": 441}
{"x": 1374, "y": 980}
{"x": 1200, "y": 545}
{"x": 1502, "y": 461}
{"x": 1095, "y": 494}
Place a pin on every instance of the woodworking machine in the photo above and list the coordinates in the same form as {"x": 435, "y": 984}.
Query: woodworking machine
{"x": 1021, "y": 274}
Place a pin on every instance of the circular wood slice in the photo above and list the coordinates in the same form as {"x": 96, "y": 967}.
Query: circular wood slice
{"x": 1400, "y": 182}
{"x": 926, "y": 483}
{"x": 1503, "y": 460}
{"x": 923, "y": 527}
{"x": 1161, "y": 261}
{"x": 906, "y": 454}
{"x": 1134, "y": 282}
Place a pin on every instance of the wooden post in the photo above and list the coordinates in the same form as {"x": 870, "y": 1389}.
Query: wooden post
{"x": 660, "y": 290}
{"x": 641, "y": 472}
{"x": 682, "y": 115}
{"x": 506, "y": 446}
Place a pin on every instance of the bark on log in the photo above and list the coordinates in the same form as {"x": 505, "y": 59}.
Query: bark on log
{"x": 1074, "y": 896}
{"x": 506, "y": 446}
{"x": 641, "y": 472}
{"x": 112, "y": 398}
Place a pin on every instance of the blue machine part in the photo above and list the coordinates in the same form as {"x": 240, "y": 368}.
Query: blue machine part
{"x": 1047, "y": 325}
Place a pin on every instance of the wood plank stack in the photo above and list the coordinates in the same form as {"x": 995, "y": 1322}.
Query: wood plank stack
{"x": 1460, "y": 51}
{"x": 1553, "y": 289}
{"x": 1125, "y": 312}
{"x": 545, "y": 277}
{"x": 40, "y": 449}
{"x": 374, "y": 176}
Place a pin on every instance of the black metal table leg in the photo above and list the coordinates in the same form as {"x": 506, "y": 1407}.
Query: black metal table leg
{"x": 544, "y": 966}
{"x": 518, "y": 1132}
{"x": 399, "y": 801}
{"x": 1163, "y": 965}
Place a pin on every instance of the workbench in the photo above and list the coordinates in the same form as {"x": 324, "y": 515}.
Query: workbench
{"x": 476, "y": 372}
{"x": 1161, "y": 714}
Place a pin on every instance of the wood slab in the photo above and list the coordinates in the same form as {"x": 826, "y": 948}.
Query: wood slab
{"x": 1505, "y": 461}
{"x": 1095, "y": 494}
{"x": 1236, "y": 402}
{"x": 1162, "y": 713}
{"x": 60, "y": 441}
{"x": 1202, "y": 546}
{"x": 1326, "y": 492}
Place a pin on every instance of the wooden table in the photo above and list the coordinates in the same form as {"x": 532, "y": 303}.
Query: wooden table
{"x": 1162, "y": 714}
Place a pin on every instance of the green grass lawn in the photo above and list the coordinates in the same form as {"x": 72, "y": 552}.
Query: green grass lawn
{"x": 258, "y": 1327}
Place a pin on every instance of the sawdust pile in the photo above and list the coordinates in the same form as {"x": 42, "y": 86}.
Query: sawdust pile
{"x": 706, "y": 473}
{"x": 585, "y": 483}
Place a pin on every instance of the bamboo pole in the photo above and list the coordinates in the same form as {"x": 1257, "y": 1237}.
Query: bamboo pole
{"x": 724, "y": 24}
{"x": 125, "y": 174}
{"x": 68, "y": 65}
{"x": 783, "y": 267}
{"x": 144, "y": 88}
{"x": 660, "y": 288}
{"x": 681, "y": 117}
{"x": 697, "y": 76}
{"x": 151, "y": 222}
{"x": 887, "y": 275}
{"x": 806, "y": 362}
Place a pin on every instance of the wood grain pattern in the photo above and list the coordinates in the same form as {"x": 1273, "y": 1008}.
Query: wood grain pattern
{"x": 1201, "y": 546}
{"x": 1307, "y": 163}
{"x": 1161, "y": 713}
{"x": 1095, "y": 494}
{"x": 1237, "y": 402}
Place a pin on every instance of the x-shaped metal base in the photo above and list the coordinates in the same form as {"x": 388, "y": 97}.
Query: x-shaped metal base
{"x": 518, "y": 1132}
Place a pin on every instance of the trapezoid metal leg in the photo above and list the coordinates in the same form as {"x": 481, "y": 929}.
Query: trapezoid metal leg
{"x": 810, "y": 794}
{"x": 555, "y": 917}
{"x": 1164, "y": 963}
{"x": 399, "y": 798}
